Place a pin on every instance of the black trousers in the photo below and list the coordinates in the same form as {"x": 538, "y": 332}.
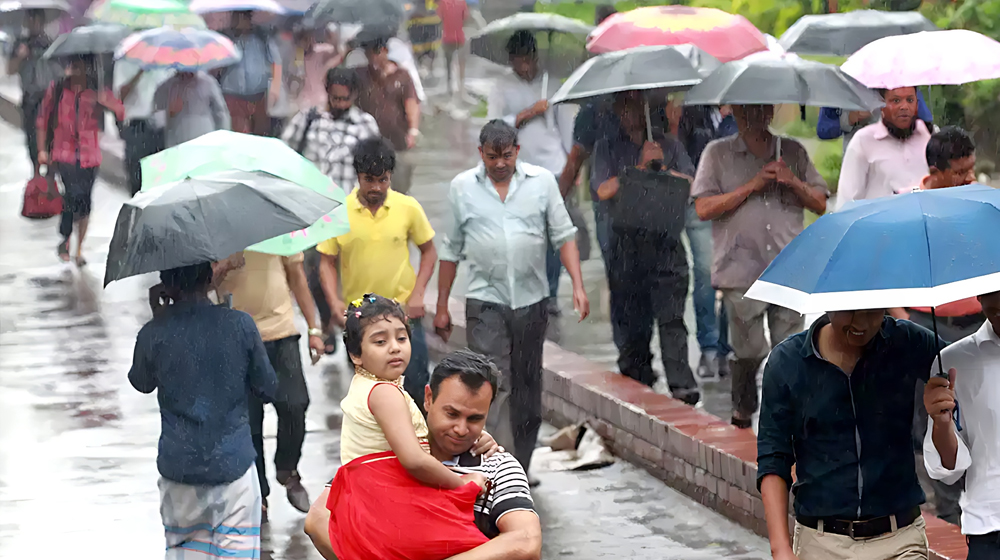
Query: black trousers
{"x": 513, "y": 340}
{"x": 311, "y": 264}
{"x": 30, "y": 104}
{"x": 142, "y": 139}
{"x": 290, "y": 403}
{"x": 648, "y": 278}
{"x": 78, "y": 184}
{"x": 984, "y": 547}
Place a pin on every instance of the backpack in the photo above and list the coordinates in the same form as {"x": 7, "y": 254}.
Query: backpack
{"x": 310, "y": 119}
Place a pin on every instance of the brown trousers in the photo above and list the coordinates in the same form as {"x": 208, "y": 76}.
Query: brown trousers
{"x": 907, "y": 543}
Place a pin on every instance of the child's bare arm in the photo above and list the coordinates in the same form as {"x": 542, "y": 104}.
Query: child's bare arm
{"x": 393, "y": 415}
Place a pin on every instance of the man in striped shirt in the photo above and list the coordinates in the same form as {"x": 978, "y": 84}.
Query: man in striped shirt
{"x": 457, "y": 400}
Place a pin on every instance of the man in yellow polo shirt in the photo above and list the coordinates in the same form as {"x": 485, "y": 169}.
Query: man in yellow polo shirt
{"x": 375, "y": 256}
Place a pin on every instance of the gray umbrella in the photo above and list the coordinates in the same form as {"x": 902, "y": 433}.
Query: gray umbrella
{"x": 374, "y": 13}
{"x": 12, "y": 11}
{"x": 89, "y": 39}
{"x": 675, "y": 68}
{"x": 769, "y": 81}
{"x": 490, "y": 42}
{"x": 843, "y": 34}
{"x": 206, "y": 219}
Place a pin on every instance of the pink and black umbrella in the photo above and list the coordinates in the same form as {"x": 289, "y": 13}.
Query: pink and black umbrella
{"x": 185, "y": 50}
{"x": 722, "y": 35}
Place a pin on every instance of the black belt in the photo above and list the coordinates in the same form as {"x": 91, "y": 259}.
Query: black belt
{"x": 990, "y": 539}
{"x": 865, "y": 529}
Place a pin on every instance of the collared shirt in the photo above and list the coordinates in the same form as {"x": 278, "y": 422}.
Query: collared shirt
{"x": 36, "y": 72}
{"x": 375, "y": 254}
{"x": 384, "y": 97}
{"x": 251, "y": 75}
{"x": 976, "y": 359}
{"x": 139, "y": 103}
{"x": 204, "y": 109}
{"x": 77, "y": 133}
{"x": 330, "y": 141}
{"x": 847, "y": 435}
{"x": 747, "y": 239}
{"x": 877, "y": 164}
{"x": 203, "y": 360}
{"x": 505, "y": 241}
{"x": 545, "y": 140}
{"x": 261, "y": 289}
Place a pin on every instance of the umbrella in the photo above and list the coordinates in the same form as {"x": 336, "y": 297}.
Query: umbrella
{"x": 490, "y": 42}
{"x": 187, "y": 50}
{"x": 88, "y": 39}
{"x": 206, "y": 219}
{"x": 843, "y": 34}
{"x": 952, "y": 57}
{"x": 383, "y": 14}
{"x": 767, "y": 80}
{"x": 209, "y": 6}
{"x": 722, "y": 35}
{"x": 222, "y": 150}
{"x": 144, "y": 14}
{"x": 676, "y": 68}
{"x": 921, "y": 249}
{"x": 12, "y": 11}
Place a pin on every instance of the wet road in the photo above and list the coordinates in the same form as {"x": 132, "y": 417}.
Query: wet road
{"x": 77, "y": 466}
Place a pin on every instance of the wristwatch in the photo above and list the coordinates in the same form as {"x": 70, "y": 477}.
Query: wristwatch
{"x": 316, "y": 332}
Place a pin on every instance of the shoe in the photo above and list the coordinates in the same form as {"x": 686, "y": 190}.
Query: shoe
{"x": 263, "y": 512}
{"x": 708, "y": 366}
{"x": 724, "y": 370}
{"x": 687, "y": 396}
{"x": 297, "y": 495}
{"x": 742, "y": 423}
{"x": 553, "y": 307}
{"x": 533, "y": 482}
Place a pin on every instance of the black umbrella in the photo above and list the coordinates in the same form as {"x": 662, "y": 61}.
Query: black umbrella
{"x": 380, "y": 14}
{"x": 95, "y": 39}
{"x": 843, "y": 34}
{"x": 206, "y": 219}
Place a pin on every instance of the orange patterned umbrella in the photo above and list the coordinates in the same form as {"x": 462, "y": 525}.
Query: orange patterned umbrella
{"x": 722, "y": 35}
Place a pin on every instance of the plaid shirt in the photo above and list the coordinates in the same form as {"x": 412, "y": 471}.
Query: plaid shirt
{"x": 77, "y": 130}
{"x": 330, "y": 141}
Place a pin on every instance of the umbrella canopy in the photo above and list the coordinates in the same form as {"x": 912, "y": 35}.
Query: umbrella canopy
{"x": 374, "y": 13}
{"x": 952, "y": 57}
{"x": 88, "y": 39}
{"x": 187, "y": 50}
{"x": 768, "y": 80}
{"x": 490, "y": 42}
{"x": 206, "y": 219}
{"x": 210, "y": 6}
{"x": 676, "y": 68}
{"x": 225, "y": 150}
{"x": 843, "y": 34}
{"x": 144, "y": 14}
{"x": 722, "y": 35}
{"x": 12, "y": 11}
{"x": 922, "y": 249}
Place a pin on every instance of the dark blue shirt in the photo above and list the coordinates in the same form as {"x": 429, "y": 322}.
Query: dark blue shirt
{"x": 204, "y": 361}
{"x": 828, "y": 125}
{"x": 848, "y": 436}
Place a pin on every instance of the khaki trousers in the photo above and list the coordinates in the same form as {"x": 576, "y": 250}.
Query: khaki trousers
{"x": 908, "y": 543}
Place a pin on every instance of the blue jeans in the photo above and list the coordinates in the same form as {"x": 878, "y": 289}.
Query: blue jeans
{"x": 416, "y": 375}
{"x": 712, "y": 330}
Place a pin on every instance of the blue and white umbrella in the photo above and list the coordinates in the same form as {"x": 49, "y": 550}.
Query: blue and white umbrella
{"x": 921, "y": 249}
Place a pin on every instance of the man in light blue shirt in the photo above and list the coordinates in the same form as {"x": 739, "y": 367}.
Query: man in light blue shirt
{"x": 504, "y": 214}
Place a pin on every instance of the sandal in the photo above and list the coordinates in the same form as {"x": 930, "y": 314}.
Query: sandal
{"x": 330, "y": 344}
{"x": 63, "y": 251}
{"x": 742, "y": 423}
{"x": 81, "y": 262}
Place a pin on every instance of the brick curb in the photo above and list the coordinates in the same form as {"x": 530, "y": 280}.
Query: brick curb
{"x": 690, "y": 450}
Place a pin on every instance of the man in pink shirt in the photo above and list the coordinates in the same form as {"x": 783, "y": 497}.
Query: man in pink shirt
{"x": 886, "y": 157}
{"x": 453, "y": 14}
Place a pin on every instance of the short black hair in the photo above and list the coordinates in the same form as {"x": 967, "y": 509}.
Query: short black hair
{"x": 361, "y": 313}
{"x": 341, "y": 76}
{"x": 522, "y": 43}
{"x": 187, "y": 278}
{"x": 472, "y": 369}
{"x": 603, "y": 12}
{"x": 375, "y": 43}
{"x": 497, "y": 134}
{"x": 949, "y": 143}
{"x": 374, "y": 156}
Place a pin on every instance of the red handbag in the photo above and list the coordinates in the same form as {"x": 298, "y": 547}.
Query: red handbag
{"x": 40, "y": 199}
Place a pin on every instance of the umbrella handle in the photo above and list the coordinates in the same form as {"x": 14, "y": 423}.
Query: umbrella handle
{"x": 649, "y": 121}
{"x": 941, "y": 373}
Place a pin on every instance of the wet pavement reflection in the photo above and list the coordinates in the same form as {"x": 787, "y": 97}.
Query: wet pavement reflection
{"x": 78, "y": 444}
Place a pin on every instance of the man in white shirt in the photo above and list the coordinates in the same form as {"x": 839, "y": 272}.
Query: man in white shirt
{"x": 545, "y": 133}
{"x": 887, "y": 157}
{"x": 969, "y": 441}
{"x": 143, "y": 136}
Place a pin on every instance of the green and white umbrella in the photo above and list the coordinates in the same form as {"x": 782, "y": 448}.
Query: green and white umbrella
{"x": 225, "y": 150}
{"x": 144, "y": 14}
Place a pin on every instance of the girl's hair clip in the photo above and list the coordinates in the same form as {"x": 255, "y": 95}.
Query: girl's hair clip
{"x": 357, "y": 314}
{"x": 357, "y": 302}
